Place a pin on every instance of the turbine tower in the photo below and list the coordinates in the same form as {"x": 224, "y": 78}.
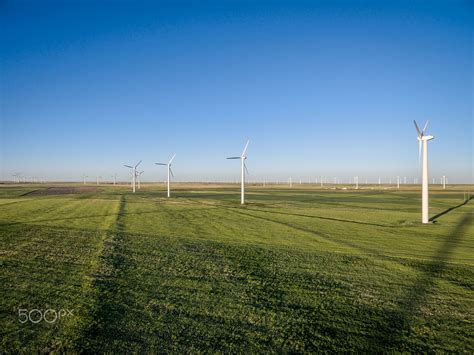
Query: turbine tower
{"x": 423, "y": 145}
{"x": 170, "y": 172}
{"x": 243, "y": 168}
{"x": 134, "y": 174}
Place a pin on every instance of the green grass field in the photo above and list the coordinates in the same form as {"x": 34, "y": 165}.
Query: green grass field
{"x": 298, "y": 270}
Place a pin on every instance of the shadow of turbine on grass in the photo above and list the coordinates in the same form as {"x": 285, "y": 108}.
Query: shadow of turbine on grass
{"x": 435, "y": 217}
{"x": 417, "y": 295}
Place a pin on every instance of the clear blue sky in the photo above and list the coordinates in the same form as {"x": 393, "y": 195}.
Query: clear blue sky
{"x": 320, "y": 88}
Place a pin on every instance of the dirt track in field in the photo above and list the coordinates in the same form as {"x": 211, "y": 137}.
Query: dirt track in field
{"x": 64, "y": 190}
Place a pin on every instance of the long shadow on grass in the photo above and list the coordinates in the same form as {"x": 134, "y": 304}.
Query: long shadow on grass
{"x": 328, "y": 218}
{"x": 239, "y": 209}
{"x": 399, "y": 326}
{"x": 112, "y": 294}
{"x": 434, "y": 218}
{"x": 325, "y": 237}
{"x": 394, "y": 330}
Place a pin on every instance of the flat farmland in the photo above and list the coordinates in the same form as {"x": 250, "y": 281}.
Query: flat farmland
{"x": 297, "y": 270}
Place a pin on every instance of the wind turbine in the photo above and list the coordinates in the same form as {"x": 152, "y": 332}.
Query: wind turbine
{"x": 134, "y": 174}
{"x": 84, "y": 178}
{"x": 423, "y": 145}
{"x": 170, "y": 172}
{"x": 243, "y": 168}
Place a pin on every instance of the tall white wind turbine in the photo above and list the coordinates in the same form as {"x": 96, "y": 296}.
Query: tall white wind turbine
{"x": 169, "y": 171}
{"x": 134, "y": 174}
{"x": 423, "y": 146}
{"x": 243, "y": 169}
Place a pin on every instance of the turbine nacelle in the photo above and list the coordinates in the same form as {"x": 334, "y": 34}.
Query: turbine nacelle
{"x": 421, "y": 133}
{"x": 421, "y": 137}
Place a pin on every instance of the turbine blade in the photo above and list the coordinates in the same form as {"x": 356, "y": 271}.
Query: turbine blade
{"x": 161, "y": 164}
{"x": 128, "y": 166}
{"x": 247, "y": 170}
{"x": 138, "y": 163}
{"x": 424, "y": 128}
{"x": 418, "y": 129}
{"x": 245, "y": 149}
{"x": 234, "y": 158}
{"x": 171, "y": 159}
{"x": 171, "y": 172}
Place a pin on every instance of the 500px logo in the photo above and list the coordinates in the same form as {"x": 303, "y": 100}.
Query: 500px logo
{"x": 37, "y": 315}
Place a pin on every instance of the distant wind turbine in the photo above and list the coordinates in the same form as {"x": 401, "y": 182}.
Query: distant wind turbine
{"x": 134, "y": 174}
{"x": 169, "y": 171}
{"x": 243, "y": 168}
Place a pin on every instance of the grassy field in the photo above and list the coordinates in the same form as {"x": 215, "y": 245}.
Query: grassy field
{"x": 302, "y": 269}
